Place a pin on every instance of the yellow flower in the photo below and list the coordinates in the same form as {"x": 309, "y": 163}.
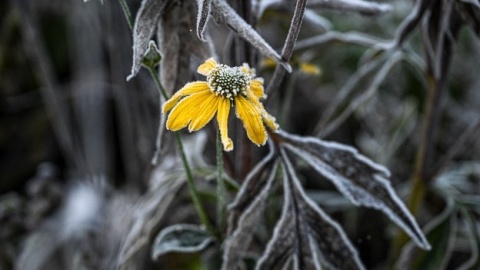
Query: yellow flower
{"x": 197, "y": 102}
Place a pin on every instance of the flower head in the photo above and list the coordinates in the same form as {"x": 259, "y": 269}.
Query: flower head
{"x": 197, "y": 102}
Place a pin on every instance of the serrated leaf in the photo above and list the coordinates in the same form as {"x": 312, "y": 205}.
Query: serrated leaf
{"x": 247, "y": 207}
{"x": 145, "y": 25}
{"x": 227, "y": 15}
{"x": 441, "y": 234}
{"x": 357, "y": 177}
{"x": 306, "y": 233}
{"x": 316, "y": 229}
{"x": 184, "y": 238}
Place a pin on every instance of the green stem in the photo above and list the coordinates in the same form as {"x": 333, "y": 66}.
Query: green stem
{"x": 220, "y": 182}
{"x": 126, "y": 13}
{"x": 191, "y": 186}
{"x": 158, "y": 84}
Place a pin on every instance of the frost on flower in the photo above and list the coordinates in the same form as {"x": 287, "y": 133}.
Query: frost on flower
{"x": 197, "y": 102}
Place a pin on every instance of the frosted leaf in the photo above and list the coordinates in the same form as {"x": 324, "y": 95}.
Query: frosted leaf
{"x": 145, "y": 25}
{"x": 317, "y": 229}
{"x": 357, "y": 177}
{"x": 202, "y": 17}
{"x": 362, "y": 7}
{"x": 225, "y": 14}
{"x": 247, "y": 207}
{"x": 184, "y": 238}
{"x": 305, "y": 233}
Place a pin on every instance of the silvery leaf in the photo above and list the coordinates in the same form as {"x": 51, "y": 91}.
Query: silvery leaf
{"x": 305, "y": 233}
{"x": 361, "y": 180}
{"x": 145, "y": 25}
{"x": 204, "y": 7}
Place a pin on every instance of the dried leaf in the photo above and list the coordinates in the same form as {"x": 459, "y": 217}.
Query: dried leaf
{"x": 184, "y": 238}
{"x": 225, "y": 14}
{"x": 357, "y": 177}
{"x": 145, "y": 25}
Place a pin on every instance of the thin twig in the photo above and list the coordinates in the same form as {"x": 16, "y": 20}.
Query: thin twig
{"x": 289, "y": 45}
{"x": 221, "y": 191}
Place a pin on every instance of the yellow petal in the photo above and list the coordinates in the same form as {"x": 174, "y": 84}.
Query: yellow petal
{"x": 252, "y": 121}
{"x": 205, "y": 113}
{"x": 188, "y": 89}
{"x": 185, "y": 110}
{"x": 207, "y": 66}
{"x": 222, "y": 119}
{"x": 269, "y": 121}
{"x": 257, "y": 87}
{"x": 245, "y": 68}
{"x": 267, "y": 118}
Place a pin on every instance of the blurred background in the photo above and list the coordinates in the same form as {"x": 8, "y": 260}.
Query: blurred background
{"x": 74, "y": 131}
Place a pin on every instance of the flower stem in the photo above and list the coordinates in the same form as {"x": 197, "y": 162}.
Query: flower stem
{"x": 220, "y": 183}
{"x": 158, "y": 84}
{"x": 191, "y": 186}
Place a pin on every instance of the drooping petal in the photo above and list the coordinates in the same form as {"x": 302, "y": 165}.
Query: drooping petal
{"x": 204, "y": 113}
{"x": 222, "y": 119}
{"x": 207, "y": 66}
{"x": 266, "y": 117}
{"x": 269, "y": 121}
{"x": 251, "y": 119}
{"x": 188, "y": 89}
{"x": 185, "y": 110}
{"x": 257, "y": 87}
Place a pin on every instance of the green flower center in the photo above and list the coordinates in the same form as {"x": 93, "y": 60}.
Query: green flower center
{"x": 228, "y": 81}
